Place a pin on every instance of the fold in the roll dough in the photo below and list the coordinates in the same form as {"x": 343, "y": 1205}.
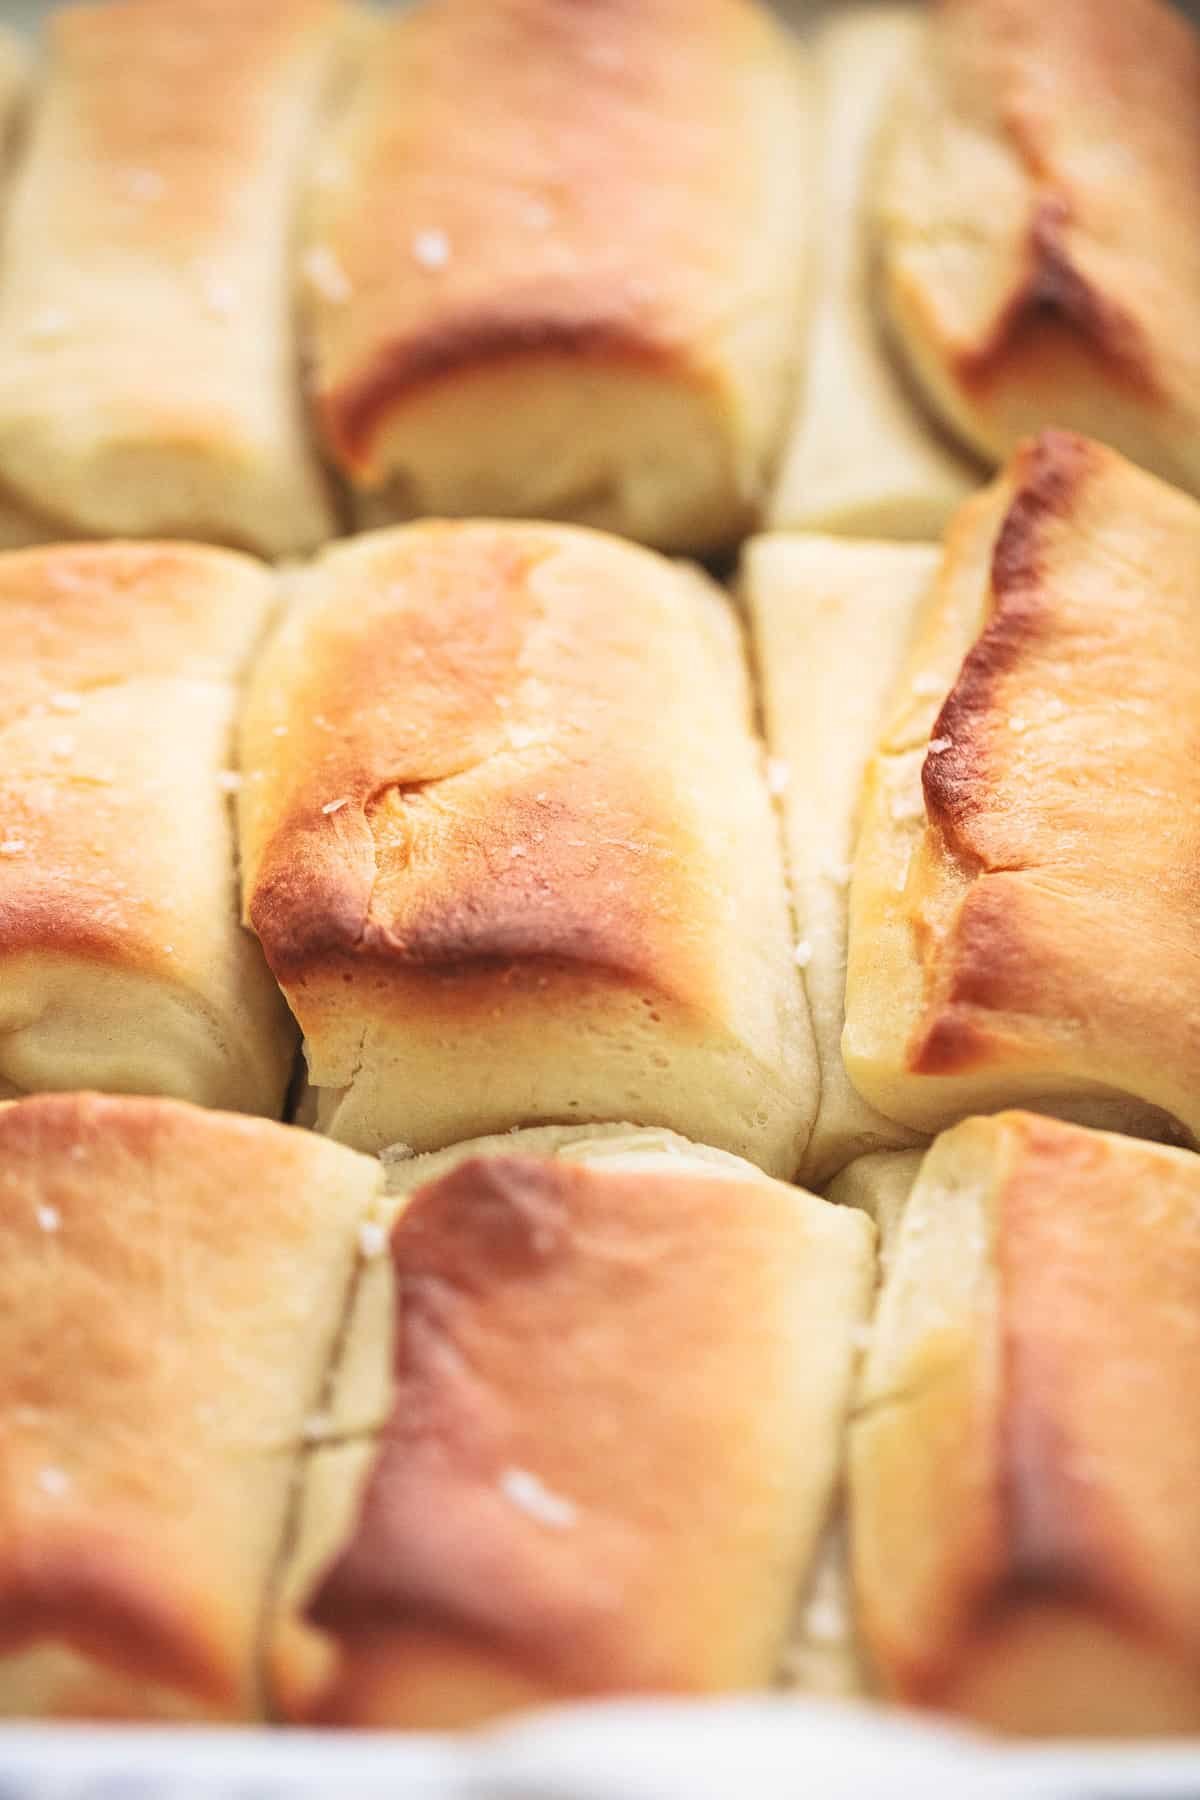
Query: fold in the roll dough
{"x": 122, "y": 962}
{"x": 571, "y": 1495}
{"x": 172, "y": 1283}
{"x": 863, "y": 456}
{"x": 148, "y": 365}
{"x": 1024, "y": 1456}
{"x": 1023, "y": 926}
{"x": 830, "y": 621}
{"x": 508, "y": 846}
{"x": 555, "y": 259}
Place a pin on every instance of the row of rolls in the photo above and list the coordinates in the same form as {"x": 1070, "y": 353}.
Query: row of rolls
{"x": 293, "y": 1434}
{"x": 669, "y": 268}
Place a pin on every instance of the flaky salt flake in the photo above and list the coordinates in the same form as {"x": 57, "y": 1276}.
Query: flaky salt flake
{"x": 926, "y": 684}
{"x": 12, "y": 846}
{"x": 396, "y": 1153}
{"x": 517, "y": 850}
{"x": 372, "y": 1239}
{"x": 229, "y": 781}
{"x": 639, "y": 291}
{"x": 1016, "y": 722}
{"x": 905, "y": 807}
{"x": 51, "y": 322}
{"x": 279, "y": 731}
{"x": 168, "y": 949}
{"x": 803, "y": 954}
{"x": 939, "y": 746}
{"x": 48, "y": 1217}
{"x": 431, "y": 249}
{"x": 521, "y": 736}
{"x": 66, "y": 703}
{"x": 330, "y": 171}
{"x": 144, "y": 184}
{"x": 220, "y": 296}
{"x": 778, "y": 775}
{"x": 54, "y": 1482}
{"x": 531, "y": 1496}
{"x": 334, "y": 806}
{"x": 537, "y": 214}
{"x": 326, "y": 275}
{"x": 605, "y": 56}
{"x": 825, "y": 1619}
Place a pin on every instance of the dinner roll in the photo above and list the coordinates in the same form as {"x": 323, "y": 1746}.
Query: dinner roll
{"x": 1023, "y": 926}
{"x": 620, "y": 1370}
{"x": 1024, "y": 1478}
{"x": 1039, "y": 262}
{"x": 147, "y": 360}
{"x": 122, "y": 962}
{"x": 508, "y": 846}
{"x": 554, "y": 259}
{"x": 172, "y": 1282}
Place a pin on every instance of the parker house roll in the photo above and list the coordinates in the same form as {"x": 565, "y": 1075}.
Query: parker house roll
{"x": 508, "y": 847}
{"x": 172, "y": 1282}
{"x": 554, "y": 259}
{"x": 1024, "y": 1454}
{"x": 620, "y": 1371}
{"x": 830, "y": 622}
{"x": 147, "y": 362}
{"x": 1039, "y": 262}
{"x": 122, "y": 962}
{"x": 1023, "y": 926}
{"x": 864, "y": 457}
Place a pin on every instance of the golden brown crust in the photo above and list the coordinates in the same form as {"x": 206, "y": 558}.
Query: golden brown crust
{"x": 1026, "y": 931}
{"x": 1065, "y": 1560}
{"x": 477, "y": 804}
{"x": 1033, "y": 267}
{"x": 124, "y": 964}
{"x": 629, "y": 191}
{"x": 544, "y": 1516}
{"x": 171, "y": 1282}
{"x": 456, "y": 645}
{"x": 147, "y": 383}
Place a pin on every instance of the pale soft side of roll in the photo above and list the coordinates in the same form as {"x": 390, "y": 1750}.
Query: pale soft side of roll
{"x": 148, "y": 379}
{"x": 123, "y": 965}
{"x": 1024, "y": 1452}
{"x": 830, "y": 621}
{"x": 864, "y": 456}
{"x": 1023, "y": 927}
{"x": 508, "y": 846}
{"x": 554, "y": 265}
{"x": 1035, "y": 208}
{"x": 573, "y": 1494}
{"x": 172, "y": 1286}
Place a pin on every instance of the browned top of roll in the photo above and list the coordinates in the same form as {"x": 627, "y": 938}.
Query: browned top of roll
{"x": 1038, "y": 263}
{"x": 518, "y": 177}
{"x": 1027, "y": 1487}
{"x": 170, "y": 1283}
{"x": 575, "y": 1493}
